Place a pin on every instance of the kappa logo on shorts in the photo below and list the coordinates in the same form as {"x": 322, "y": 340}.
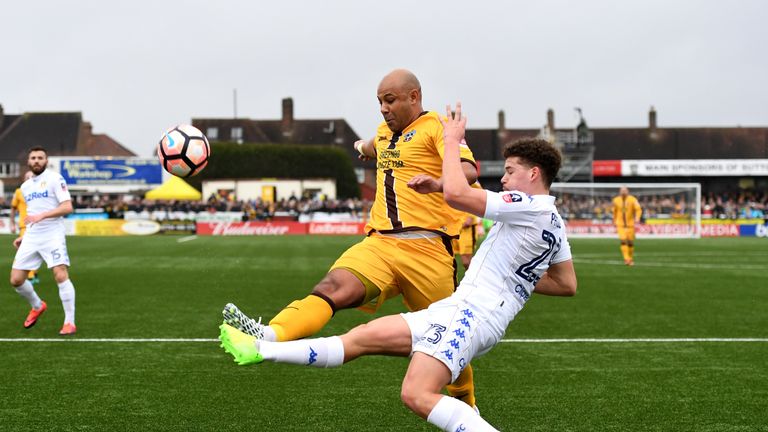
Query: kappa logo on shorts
{"x": 464, "y": 322}
{"x": 454, "y": 343}
{"x": 448, "y": 354}
{"x": 312, "y": 355}
{"x": 460, "y": 333}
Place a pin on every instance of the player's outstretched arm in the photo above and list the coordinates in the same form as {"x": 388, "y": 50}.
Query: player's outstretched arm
{"x": 456, "y": 190}
{"x": 366, "y": 149}
{"x": 558, "y": 280}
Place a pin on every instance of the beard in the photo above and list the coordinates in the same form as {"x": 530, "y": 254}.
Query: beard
{"x": 37, "y": 169}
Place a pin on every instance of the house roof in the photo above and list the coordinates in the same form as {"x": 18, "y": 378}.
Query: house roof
{"x": 60, "y": 133}
{"x": 642, "y": 143}
{"x": 104, "y": 145}
{"x": 681, "y": 143}
{"x": 57, "y": 132}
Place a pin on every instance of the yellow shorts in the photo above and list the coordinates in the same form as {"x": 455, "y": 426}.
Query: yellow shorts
{"x": 421, "y": 269}
{"x": 626, "y": 234}
{"x": 465, "y": 244}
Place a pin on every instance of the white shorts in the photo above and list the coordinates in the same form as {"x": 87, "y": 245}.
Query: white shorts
{"x": 33, "y": 251}
{"x": 450, "y": 331}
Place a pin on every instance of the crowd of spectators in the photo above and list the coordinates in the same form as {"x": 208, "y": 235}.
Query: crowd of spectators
{"x": 117, "y": 206}
{"x": 728, "y": 205}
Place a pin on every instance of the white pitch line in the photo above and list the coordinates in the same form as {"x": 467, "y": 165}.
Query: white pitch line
{"x": 563, "y": 340}
{"x": 711, "y": 266}
{"x": 122, "y": 340}
{"x": 186, "y": 239}
{"x": 635, "y": 340}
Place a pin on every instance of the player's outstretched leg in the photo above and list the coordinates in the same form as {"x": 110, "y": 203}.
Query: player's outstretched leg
{"x": 243, "y": 347}
{"x": 234, "y": 317}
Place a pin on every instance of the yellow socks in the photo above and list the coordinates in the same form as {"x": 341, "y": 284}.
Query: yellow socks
{"x": 625, "y": 252}
{"x": 301, "y": 318}
{"x": 464, "y": 387}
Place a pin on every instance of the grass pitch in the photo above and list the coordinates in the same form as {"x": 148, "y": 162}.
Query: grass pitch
{"x": 132, "y": 290}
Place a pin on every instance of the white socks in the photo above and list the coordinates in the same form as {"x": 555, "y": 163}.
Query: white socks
{"x": 320, "y": 352}
{"x": 269, "y": 334}
{"x": 67, "y": 295}
{"x": 27, "y": 291}
{"x": 451, "y": 414}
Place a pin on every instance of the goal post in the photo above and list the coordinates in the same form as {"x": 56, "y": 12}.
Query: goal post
{"x": 670, "y": 210}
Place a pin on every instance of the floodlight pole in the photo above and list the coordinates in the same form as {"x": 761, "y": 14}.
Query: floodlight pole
{"x": 234, "y": 102}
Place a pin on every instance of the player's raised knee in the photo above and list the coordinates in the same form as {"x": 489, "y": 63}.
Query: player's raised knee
{"x": 415, "y": 398}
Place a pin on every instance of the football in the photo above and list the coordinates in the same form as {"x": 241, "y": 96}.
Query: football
{"x": 184, "y": 151}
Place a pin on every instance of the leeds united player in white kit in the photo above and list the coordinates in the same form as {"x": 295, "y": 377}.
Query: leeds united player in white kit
{"x": 47, "y": 200}
{"x": 526, "y": 248}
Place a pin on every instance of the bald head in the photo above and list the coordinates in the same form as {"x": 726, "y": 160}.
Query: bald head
{"x": 623, "y": 191}
{"x": 401, "y": 79}
{"x": 399, "y": 95}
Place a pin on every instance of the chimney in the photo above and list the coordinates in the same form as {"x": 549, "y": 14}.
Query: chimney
{"x": 287, "y": 122}
{"x": 2, "y": 117}
{"x": 502, "y": 126}
{"x": 652, "y": 119}
{"x": 551, "y": 121}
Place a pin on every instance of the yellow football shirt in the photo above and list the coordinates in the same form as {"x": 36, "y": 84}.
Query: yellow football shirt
{"x": 400, "y": 157}
{"x": 19, "y": 204}
{"x": 626, "y": 211}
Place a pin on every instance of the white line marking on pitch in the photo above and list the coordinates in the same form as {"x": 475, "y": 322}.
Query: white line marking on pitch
{"x": 186, "y": 239}
{"x": 674, "y": 264}
{"x": 636, "y": 340}
{"x": 122, "y": 340}
{"x": 574, "y": 340}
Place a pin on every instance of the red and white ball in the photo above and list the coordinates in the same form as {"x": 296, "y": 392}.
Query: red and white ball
{"x": 184, "y": 151}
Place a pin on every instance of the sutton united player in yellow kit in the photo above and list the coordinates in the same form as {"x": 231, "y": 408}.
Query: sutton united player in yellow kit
{"x": 408, "y": 248}
{"x": 626, "y": 213}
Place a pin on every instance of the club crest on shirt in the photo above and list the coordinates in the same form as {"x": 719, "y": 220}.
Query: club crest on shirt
{"x": 409, "y": 136}
{"x": 512, "y": 198}
{"x": 43, "y": 185}
{"x": 63, "y": 186}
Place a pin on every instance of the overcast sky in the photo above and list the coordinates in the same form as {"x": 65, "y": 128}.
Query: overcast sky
{"x": 135, "y": 68}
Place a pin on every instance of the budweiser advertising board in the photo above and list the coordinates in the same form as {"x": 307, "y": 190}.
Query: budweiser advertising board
{"x": 279, "y": 228}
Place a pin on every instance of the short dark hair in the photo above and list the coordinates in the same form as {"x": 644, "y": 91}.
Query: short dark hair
{"x": 537, "y": 152}
{"x": 37, "y": 148}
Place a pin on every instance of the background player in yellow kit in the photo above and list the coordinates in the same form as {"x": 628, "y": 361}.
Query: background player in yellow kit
{"x": 18, "y": 205}
{"x": 626, "y": 213}
{"x": 408, "y": 249}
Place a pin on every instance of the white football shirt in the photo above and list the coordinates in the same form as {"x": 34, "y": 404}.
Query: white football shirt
{"x": 42, "y": 193}
{"x": 527, "y": 237}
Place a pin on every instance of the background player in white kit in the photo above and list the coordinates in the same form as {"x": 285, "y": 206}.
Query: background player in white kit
{"x": 526, "y": 248}
{"x": 47, "y": 200}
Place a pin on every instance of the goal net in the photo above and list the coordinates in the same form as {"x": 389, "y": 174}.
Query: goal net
{"x": 670, "y": 210}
